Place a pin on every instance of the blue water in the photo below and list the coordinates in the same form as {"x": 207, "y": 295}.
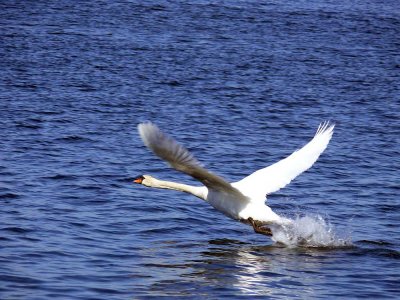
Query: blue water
{"x": 242, "y": 84}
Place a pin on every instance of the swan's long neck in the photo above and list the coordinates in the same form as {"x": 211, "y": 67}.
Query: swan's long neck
{"x": 194, "y": 190}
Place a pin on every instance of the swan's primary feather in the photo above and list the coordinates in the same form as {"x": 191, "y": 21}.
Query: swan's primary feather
{"x": 270, "y": 179}
{"x": 181, "y": 159}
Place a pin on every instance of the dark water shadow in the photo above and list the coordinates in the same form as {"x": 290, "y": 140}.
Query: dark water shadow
{"x": 361, "y": 247}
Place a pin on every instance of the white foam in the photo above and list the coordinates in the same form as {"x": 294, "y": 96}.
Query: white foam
{"x": 308, "y": 231}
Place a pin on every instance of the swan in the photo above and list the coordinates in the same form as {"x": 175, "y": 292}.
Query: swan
{"x": 243, "y": 200}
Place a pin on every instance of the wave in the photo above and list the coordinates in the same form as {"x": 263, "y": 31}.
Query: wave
{"x": 309, "y": 231}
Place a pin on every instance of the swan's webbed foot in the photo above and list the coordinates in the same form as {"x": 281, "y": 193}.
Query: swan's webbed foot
{"x": 257, "y": 226}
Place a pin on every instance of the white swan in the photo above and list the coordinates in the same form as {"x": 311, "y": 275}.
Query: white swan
{"x": 243, "y": 200}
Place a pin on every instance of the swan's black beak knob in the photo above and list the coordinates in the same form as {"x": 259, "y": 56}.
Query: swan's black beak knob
{"x": 138, "y": 179}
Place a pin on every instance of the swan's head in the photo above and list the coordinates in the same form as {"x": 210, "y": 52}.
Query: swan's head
{"x": 146, "y": 180}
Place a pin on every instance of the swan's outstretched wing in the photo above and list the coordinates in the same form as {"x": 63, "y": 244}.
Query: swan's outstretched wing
{"x": 181, "y": 159}
{"x": 272, "y": 178}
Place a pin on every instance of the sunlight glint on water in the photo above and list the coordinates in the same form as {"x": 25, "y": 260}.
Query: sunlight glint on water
{"x": 242, "y": 84}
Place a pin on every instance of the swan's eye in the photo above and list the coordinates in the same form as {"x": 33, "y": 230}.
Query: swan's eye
{"x": 138, "y": 179}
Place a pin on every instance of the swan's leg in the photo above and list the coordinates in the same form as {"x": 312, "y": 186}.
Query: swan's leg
{"x": 258, "y": 229}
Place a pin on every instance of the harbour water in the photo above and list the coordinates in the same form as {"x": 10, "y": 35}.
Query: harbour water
{"x": 242, "y": 84}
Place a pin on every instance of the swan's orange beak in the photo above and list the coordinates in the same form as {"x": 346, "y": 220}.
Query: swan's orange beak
{"x": 139, "y": 179}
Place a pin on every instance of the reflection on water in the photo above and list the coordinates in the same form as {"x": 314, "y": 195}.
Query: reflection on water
{"x": 268, "y": 270}
{"x": 234, "y": 267}
{"x": 243, "y": 84}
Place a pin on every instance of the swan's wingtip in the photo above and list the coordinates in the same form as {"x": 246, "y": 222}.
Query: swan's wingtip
{"x": 326, "y": 127}
{"x": 149, "y": 133}
{"x": 147, "y": 127}
{"x": 146, "y": 124}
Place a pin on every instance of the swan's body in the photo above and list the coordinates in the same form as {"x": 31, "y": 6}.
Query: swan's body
{"x": 243, "y": 200}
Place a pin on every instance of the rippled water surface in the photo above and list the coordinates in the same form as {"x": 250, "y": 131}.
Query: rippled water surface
{"x": 242, "y": 84}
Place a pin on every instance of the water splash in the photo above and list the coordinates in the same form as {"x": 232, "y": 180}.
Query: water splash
{"x": 309, "y": 231}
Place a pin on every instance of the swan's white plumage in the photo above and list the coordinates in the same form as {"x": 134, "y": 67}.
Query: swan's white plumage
{"x": 181, "y": 159}
{"x": 243, "y": 199}
{"x": 270, "y": 179}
